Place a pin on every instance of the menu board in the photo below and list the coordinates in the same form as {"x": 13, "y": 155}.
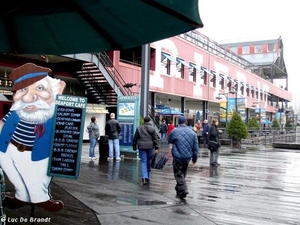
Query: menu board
{"x": 126, "y": 135}
{"x": 67, "y": 135}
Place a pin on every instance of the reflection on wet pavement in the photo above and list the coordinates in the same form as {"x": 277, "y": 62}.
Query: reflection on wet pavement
{"x": 252, "y": 187}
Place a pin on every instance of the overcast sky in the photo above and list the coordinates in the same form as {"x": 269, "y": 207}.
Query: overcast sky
{"x": 239, "y": 20}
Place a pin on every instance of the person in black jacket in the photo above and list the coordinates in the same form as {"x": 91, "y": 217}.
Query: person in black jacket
{"x": 213, "y": 136}
{"x": 145, "y": 140}
{"x": 163, "y": 131}
{"x": 205, "y": 129}
{"x": 113, "y": 130}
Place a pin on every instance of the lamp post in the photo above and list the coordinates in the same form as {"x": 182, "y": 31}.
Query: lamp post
{"x": 254, "y": 105}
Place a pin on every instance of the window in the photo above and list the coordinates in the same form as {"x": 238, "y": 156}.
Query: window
{"x": 192, "y": 72}
{"x": 236, "y": 85}
{"x": 246, "y": 49}
{"x": 252, "y": 92}
{"x": 258, "y": 49}
{"x": 242, "y": 88}
{"x": 213, "y": 78}
{"x": 234, "y": 50}
{"x": 166, "y": 63}
{"x": 132, "y": 56}
{"x": 205, "y": 78}
{"x": 204, "y": 75}
{"x": 271, "y": 47}
{"x": 222, "y": 81}
{"x": 180, "y": 67}
{"x": 229, "y": 83}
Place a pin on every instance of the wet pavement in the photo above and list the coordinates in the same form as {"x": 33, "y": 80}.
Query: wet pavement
{"x": 253, "y": 186}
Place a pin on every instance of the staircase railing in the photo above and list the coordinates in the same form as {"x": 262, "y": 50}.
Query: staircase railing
{"x": 91, "y": 83}
{"x": 155, "y": 119}
{"x": 113, "y": 72}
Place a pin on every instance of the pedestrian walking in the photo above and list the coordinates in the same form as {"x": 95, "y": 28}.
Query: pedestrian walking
{"x": 184, "y": 148}
{"x": 214, "y": 143}
{"x": 145, "y": 140}
{"x": 93, "y": 130}
{"x": 113, "y": 130}
{"x": 163, "y": 131}
{"x": 170, "y": 127}
{"x": 205, "y": 130}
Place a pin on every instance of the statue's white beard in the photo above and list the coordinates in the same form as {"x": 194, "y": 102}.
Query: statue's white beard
{"x": 43, "y": 113}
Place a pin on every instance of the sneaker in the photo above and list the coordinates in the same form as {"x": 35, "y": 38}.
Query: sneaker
{"x": 94, "y": 158}
{"x": 110, "y": 159}
{"x": 118, "y": 159}
{"x": 90, "y": 157}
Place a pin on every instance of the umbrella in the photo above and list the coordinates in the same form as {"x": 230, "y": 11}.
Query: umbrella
{"x": 267, "y": 122}
{"x": 84, "y": 26}
{"x": 170, "y": 112}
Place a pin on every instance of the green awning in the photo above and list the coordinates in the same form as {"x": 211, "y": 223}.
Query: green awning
{"x": 68, "y": 26}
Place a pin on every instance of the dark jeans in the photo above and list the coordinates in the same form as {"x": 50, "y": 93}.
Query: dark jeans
{"x": 205, "y": 139}
{"x": 180, "y": 171}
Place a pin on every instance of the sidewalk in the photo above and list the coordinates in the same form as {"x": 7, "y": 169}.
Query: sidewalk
{"x": 251, "y": 187}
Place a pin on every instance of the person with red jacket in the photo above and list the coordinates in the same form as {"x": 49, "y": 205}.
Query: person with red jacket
{"x": 170, "y": 127}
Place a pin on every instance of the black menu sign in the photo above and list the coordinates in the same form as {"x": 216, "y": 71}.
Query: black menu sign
{"x": 64, "y": 160}
{"x": 126, "y": 135}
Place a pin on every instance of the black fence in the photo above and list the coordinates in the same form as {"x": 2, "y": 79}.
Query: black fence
{"x": 263, "y": 137}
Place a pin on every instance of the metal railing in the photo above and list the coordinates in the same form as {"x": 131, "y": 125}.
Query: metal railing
{"x": 113, "y": 72}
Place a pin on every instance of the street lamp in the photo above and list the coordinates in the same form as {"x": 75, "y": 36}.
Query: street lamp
{"x": 254, "y": 105}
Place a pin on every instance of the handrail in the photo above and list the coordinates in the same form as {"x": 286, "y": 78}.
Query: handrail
{"x": 113, "y": 72}
{"x": 151, "y": 113}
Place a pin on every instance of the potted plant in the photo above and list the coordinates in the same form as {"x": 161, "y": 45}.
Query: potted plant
{"x": 275, "y": 125}
{"x": 237, "y": 129}
{"x": 253, "y": 126}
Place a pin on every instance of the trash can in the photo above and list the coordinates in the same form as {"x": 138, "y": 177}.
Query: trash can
{"x": 103, "y": 147}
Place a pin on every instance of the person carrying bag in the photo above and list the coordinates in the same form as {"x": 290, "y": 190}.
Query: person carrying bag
{"x": 214, "y": 143}
{"x": 145, "y": 140}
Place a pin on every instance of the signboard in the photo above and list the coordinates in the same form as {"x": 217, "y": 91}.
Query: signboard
{"x": 129, "y": 118}
{"x": 126, "y": 135}
{"x": 64, "y": 160}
